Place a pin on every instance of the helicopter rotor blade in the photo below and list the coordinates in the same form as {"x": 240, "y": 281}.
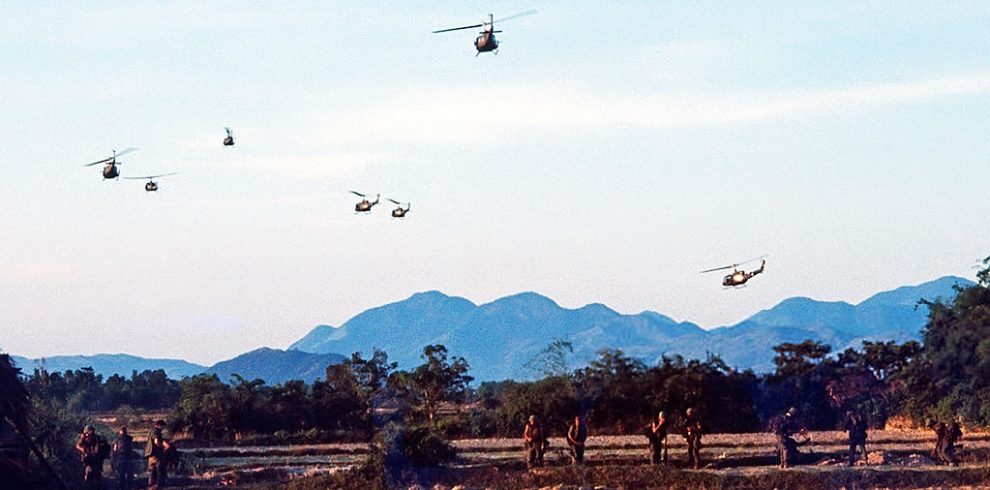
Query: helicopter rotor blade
{"x": 125, "y": 151}
{"x": 718, "y": 269}
{"x": 394, "y": 201}
{"x": 458, "y": 28}
{"x": 356, "y": 193}
{"x": 151, "y": 176}
{"x": 105, "y": 160}
{"x": 515, "y": 16}
{"x": 754, "y": 259}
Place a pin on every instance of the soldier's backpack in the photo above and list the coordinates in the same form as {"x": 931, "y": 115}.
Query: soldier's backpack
{"x": 104, "y": 450}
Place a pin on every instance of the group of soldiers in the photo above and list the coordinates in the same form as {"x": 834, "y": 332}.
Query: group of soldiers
{"x": 536, "y": 440}
{"x": 788, "y": 433}
{"x": 94, "y": 450}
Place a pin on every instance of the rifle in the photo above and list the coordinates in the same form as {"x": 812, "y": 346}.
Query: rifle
{"x": 665, "y": 459}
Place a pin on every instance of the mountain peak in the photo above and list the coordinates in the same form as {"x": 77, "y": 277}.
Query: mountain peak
{"x": 527, "y": 298}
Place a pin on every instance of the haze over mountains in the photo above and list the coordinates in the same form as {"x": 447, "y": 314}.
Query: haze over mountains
{"x": 500, "y": 337}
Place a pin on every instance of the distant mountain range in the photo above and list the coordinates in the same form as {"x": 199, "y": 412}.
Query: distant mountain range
{"x": 272, "y": 365}
{"x": 110, "y": 364}
{"x": 498, "y": 338}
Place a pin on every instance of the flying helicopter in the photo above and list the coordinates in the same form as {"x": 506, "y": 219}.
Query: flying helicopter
{"x": 739, "y": 277}
{"x": 229, "y": 140}
{"x": 365, "y": 205}
{"x": 486, "y": 38}
{"x": 151, "y": 186}
{"x": 110, "y": 170}
{"x": 399, "y": 212}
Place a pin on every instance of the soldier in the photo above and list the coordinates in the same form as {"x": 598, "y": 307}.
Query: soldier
{"x": 577, "y": 433}
{"x": 784, "y": 427}
{"x": 536, "y": 442}
{"x": 856, "y": 425}
{"x": 692, "y": 432}
{"x": 122, "y": 459}
{"x": 155, "y": 451}
{"x": 948, "y": 434}
{"x": 92, "y": 452}
{"x": 657, "y": 435}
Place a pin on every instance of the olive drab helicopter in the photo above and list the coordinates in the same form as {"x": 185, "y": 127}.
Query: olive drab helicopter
{"x": 365, "y": 205}
{"x": 399, "y": 212}
{"x": 229, "y": 140}
{"x": 486, "y": 38}
{"x": 739, "y": 277}
{"x": 110, "y": 170}
{"x": 151, "y": 186}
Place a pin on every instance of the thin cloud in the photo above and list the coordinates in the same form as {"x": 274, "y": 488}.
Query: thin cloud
{"x": 461, "y": 116}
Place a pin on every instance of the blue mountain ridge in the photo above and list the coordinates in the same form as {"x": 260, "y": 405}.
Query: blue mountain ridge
{"x": 272, "y": 365}
{"x": 500, "y": 337}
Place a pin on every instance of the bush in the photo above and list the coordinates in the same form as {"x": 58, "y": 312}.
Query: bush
{"x": 415, "y": 446}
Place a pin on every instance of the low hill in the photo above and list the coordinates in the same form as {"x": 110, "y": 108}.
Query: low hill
{"x": 275, "y": 366}
{"x": 109, "y": 364}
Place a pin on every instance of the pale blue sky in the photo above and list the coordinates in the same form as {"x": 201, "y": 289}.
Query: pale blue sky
{"x": 609, "y": 152}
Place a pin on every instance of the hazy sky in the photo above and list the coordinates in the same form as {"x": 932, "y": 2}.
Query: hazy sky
{"x": 609, "y": 152}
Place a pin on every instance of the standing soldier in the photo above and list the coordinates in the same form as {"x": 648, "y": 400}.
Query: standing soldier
{"x": 155, "y": 451}
{"x": 536, "y": 441}
{"x": 577, "y": 433}
{"x": 784, "y": 427}
{"x": 948, "y": 434}
{"x": 657, "y": 434}
{"x": 122, "y": 459}
{"x": 92, "y": 452}
{"x": 692, "y": 432}
{"x": 856, "y": 425}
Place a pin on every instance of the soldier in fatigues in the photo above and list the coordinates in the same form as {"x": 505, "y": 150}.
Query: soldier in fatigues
{"x": 945, "y": 447}
{"x": 92, "y": 452}
{"x": 856, "y": 425}
{"x": 536, "y": 442}
{"x": 657, "y": 435}
{"x": 577, "y": 433}
{"x": 155, "y": 452}
{"x": 784, "y": 427}
{"x": 692, "y": 432}
{"x": 122, "y": 459}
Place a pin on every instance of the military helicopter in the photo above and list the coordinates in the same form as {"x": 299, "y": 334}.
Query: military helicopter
{"x": 229, "y": 140}
{"x": 151, "y": 186}
{"x": 110, "y": 170}
{"x": 399, "y": 212}
{"x": 486, "y": 38}
{"x": 739, "y": 277}
{"x": 365, "y": 205}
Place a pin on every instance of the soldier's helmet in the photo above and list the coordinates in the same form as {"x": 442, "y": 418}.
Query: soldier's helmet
{"x": 532, "y": 419}
{"x": 88, "y": 429}
{"x": 689, "y": 412}
{"x": 660, "y": 415}
{"x": 791, "y": 412}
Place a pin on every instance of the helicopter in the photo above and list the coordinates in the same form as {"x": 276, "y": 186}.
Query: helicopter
{"x": 229, "y": 140}
{"x": 486, "y": 38}
{"x": 739, "y": 277}
{"x": 151, "y": 186}
{"x": 399, "y": 212}
{"x": 365, "y": 205}
{"x": 110, "y": 170}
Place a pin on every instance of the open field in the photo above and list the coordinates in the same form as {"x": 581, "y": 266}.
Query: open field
{"x": 731, "y": 461}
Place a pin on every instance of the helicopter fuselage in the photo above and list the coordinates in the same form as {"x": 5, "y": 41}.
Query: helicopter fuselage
{"x": 228, "y": 141}
{"x": 151, "y": 186}
{"x": 110, "y": 171}
{"x": 486, "y": 42}
{"x": 399, "y": 213}
{"x": 363, "y": 206}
